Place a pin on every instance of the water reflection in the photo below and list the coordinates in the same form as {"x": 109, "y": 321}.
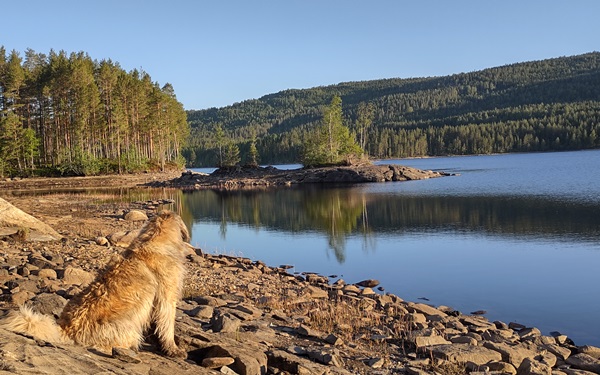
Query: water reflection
{"x": 341, "y": 212}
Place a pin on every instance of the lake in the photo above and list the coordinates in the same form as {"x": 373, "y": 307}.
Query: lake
{"x": 517, "y": 235}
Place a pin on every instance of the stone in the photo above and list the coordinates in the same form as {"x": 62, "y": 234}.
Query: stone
{"x": 225, "y": 323}
{"x": 315, "y": 292}
{"x": 123, "y": 238}
{"x": 424, "y": 341}
{"x": 48, "y": 304}
{"x": 201, "y": 312}
{"x": 77, "y": 276}
{"x": 370, "y": 283}
{"x": 217, "y": 362}
{"x": 584, "y": 362}
{"x": 511, "y": 354}
{"x": 294, "y": 364}
{"x": 532, "y": 367}
{"x": 325, "y": 357}
{"x": 559, "y": 351}
{"x": 125, "y": 355}
{"x": 376, "y": 363}
{"x": 19, "y": 298}
{"x": 466, "y": 353}
{"x": 18, "y": 221}
{"x": 101, "y": 241}
{"x": 136, "y": 215}
{"x": 210, "y": 301}
{"x": 592, "y": 351}
{"x": 334, "y": 340}
{"x": 304, "y": 330}
{"x": 529, "y": 333}
{"x": 425, "y": 309}
{"x": 47, "y": 273}
{"x": 463, "y": 340}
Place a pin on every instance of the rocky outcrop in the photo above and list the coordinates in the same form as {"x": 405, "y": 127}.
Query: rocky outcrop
{"x": 15, "y": 222}
{"x": 253, "y": 177}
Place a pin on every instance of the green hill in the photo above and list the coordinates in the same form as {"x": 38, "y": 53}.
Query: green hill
{"x": 543, "y": 105}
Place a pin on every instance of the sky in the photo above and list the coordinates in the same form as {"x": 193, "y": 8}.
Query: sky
{"x": 216, "y": 53}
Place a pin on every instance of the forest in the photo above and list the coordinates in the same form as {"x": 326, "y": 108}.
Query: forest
{"x": 546, "y": 105}
{"x": 70, "y": 115}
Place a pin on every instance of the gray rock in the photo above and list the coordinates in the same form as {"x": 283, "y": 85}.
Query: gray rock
{"x": 466, "y": 353}
{"x": 293, "y": 364}
{"x": 370, "y": 283}
{"x": 136, "y": 215}
{"x": 225, "y": 323}
{"x": 592, "y": 351}
{"x": 584, "y": 362}
{"x": 532, "y": 367}
{"x": 126, "y": 355}
{"x": 48, "y": 304}
{"x": 512, "y": 354}
{"x": 217, "y": 362}
{"x": 77, "y": 276}
{"x": 47, "y": 273}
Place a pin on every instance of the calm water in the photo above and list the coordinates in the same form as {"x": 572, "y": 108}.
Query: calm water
{"x": 517, "y": 235}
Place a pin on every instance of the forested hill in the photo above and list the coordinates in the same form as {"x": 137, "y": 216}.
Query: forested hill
{"x": 543, "y": 105}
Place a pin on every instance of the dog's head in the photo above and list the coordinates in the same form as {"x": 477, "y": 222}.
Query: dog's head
{"x": 168, "y": 220}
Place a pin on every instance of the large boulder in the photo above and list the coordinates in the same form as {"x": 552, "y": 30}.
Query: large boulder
{"x": 13, "y": 221}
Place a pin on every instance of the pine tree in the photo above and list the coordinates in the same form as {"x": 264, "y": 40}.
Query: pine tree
{"x": 331, "y": 142}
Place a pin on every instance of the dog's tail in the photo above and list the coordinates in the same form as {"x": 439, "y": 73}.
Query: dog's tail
{"x": 28, "y": 322}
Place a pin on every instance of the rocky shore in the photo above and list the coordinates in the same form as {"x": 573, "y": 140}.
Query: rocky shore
{"x": 253, "y": 177}
{"x": 241, "y": 316}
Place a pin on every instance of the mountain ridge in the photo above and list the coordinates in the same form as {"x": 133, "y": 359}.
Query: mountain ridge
{"x": 410, "y": 113}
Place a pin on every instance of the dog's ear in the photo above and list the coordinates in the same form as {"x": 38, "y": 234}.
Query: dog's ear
{"x": 185, "y": 234}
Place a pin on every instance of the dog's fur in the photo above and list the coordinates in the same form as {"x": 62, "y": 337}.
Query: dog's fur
{"x": 140, "y": 289}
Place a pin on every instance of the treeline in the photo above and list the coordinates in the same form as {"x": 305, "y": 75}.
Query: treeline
{"x": 543, "y": 105}
{"x": 71, "y": 115}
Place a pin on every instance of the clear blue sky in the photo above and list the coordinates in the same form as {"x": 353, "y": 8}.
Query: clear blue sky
{"x": 219, "y": 52}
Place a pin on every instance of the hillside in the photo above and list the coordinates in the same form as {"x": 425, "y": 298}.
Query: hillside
{"x": 543, "y": 105}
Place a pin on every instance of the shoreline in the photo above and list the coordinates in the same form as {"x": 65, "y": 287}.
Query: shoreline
{"x": 271, "y": 305}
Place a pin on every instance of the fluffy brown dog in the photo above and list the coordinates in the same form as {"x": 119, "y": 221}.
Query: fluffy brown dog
{"x": 120, "y": 305}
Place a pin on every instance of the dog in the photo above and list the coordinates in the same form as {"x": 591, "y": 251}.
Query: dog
{"x": 138, "y": 290}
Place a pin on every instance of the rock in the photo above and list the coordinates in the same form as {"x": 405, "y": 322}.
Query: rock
{"x": 305, "y": 330}
{"x": 125, "y": 355}
{"x": 425, "y": 309}
{"x": 592, "y": 351}
{"x": 466, "y": 353}
{"x": 136, "y": 215}
{"x": 48, "y": 304}
{"x": 123, "y": 238}
{"x": 511, "y": 354}
{"x": 529, "y": 333}
{"x": 77, "y": 276}
{"x": 376, "y": 363}
{"x": 532, "y": 367}
{"x": 202, "y": 312}
{"x": 217, "y": 362}
{"x": 14, "y": 219}
{"x": 584, "y": 362}
{"x": 293, "y": 364}
{"x": 315, "y": 292}
{"x": 325, "y": 357}
{"x": 20, "y": 297}
{"x": 425, "y": 341}
{"x": 334, "y": 340}
{"x": 463, "y": 340}
{"x": 370, "y": 283}
{"x": 101, "y": 241}
{"x": 225, "y": 323}
{"x": 47, "y": 273}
